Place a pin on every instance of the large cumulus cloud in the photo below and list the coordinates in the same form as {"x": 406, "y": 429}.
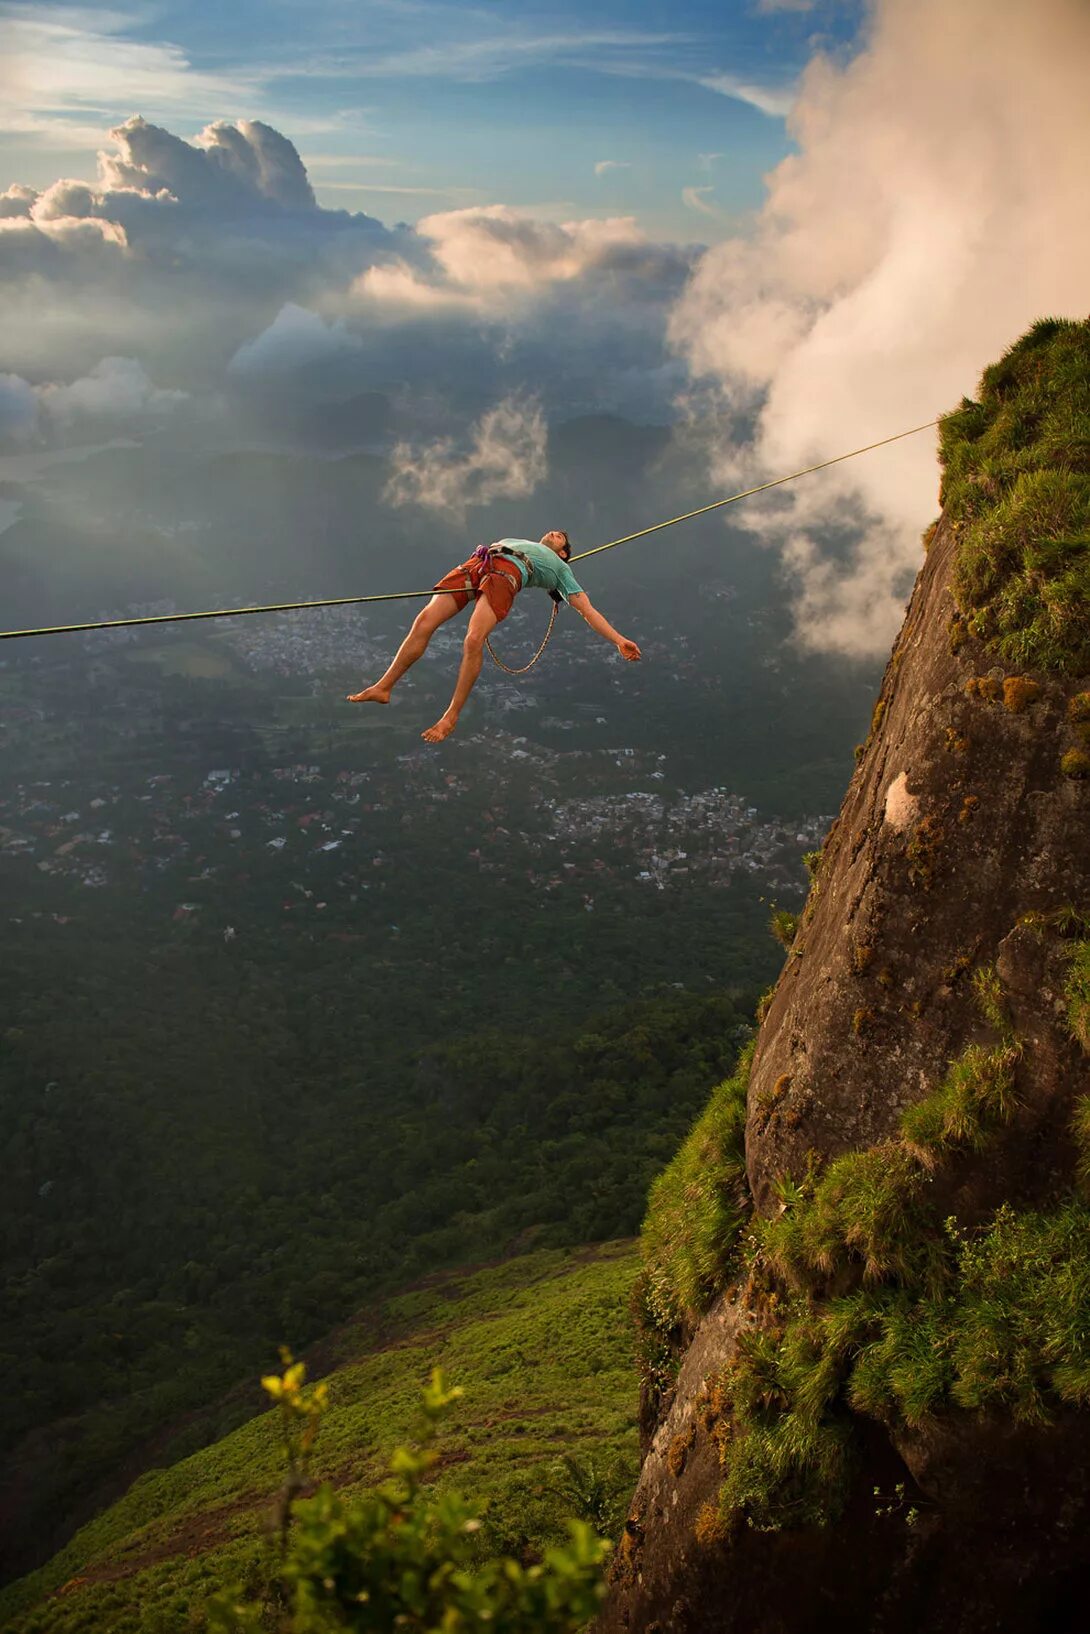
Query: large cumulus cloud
{"x": 211, "y": 263}
{"x": 486, "y": 256}
{"x": 479, "y": 304}
{"x": 178, "y": 250}
{"x": 226, "y": 165}
{"x": 935, "y": 207}
{"x": 573, "y": 311}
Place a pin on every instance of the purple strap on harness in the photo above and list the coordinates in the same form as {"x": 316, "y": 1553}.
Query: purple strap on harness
{"x": 483, "y": 553}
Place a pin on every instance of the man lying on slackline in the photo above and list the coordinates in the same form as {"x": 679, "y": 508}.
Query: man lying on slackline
{"x": 492, "y": 578}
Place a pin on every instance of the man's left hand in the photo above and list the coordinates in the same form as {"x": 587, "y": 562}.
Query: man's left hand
{"x": 629, "y": 650}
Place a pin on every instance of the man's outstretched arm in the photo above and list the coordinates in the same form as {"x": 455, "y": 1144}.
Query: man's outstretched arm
{"x": 602, "y": 626}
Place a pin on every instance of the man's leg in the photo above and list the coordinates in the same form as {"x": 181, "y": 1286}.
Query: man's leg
{"x": 424, "y": 626}
{"x": 481, "y": 625}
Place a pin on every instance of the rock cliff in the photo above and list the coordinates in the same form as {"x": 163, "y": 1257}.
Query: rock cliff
{"x": 881, "y": 1419}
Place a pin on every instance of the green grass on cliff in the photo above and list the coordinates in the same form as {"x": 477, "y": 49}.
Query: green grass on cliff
{"x": 1016, "y": 481}
{"x": 868, "y": 1300}
{"x": 1077, "y": 994}
{"x": 1004, "y": 1329}
{"x": 542, "y": 1348}
{"x": 875, "y": 1304}
{"x": 695, "y": 1212}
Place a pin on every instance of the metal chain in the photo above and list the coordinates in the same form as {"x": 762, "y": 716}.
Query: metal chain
{"x": 526, "y": 667}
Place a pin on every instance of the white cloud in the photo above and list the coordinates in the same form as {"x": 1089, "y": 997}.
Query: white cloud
{"x": 117, "y": 388}
{"x": 776, "y": 101}
{"x": 66, "y": 62}
{"x": 506, "y": 459}
{"x": 192, "y": 253}
{"x": 295, "y": 339}
{"x": 491, "y": 249}
{"x": 58, "y": 244}
{"x": 400, "y": 290}
{"x": 163, "y": 198}
{"x": 576, "y": 308}
{"x": 116, "y": 392}
{"x": 225, "y": 161}
{"x": 213, "y": 235}
{"x": 693, "y": 198}
{"x": 935, "y": 208}
{"x": 604, "y": 166}
{"x": 17, "y": 201}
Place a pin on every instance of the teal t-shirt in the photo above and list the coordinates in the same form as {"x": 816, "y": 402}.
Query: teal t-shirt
{"x": 547, "y": 570}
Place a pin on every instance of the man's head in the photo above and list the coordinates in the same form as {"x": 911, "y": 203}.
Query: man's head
{"x": 558, "y": 541}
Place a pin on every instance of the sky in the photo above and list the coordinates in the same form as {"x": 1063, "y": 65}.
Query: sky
{"x": 790, "y": 227}
{"x": 672, "y": 112}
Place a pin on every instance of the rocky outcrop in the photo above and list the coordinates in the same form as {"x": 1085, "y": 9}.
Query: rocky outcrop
{"x": 957, "y": 825}
{"x": 925, "y": 1020}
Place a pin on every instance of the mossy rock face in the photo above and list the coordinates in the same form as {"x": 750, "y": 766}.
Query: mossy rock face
{"x": 1016, "y": 480}
{"x": 902, "y": 1311}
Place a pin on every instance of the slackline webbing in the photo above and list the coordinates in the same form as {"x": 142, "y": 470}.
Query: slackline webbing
{"x": 406, "y": 595}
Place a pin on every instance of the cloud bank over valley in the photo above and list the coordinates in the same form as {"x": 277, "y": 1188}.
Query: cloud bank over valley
{"x": 197, "y": 295}
{"x": 211, "y": 265}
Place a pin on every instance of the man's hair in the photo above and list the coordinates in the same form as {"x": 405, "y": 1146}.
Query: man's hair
{"x": 563, "y": 535}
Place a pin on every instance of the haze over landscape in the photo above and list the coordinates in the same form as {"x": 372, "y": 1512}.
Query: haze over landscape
{"x": 302, "y": 1014}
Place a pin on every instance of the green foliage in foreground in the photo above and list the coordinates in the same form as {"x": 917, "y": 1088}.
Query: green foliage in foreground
{"x": 1017, "y": 483}
{"x": 399, "y": 1556}
{"x": 545, "y": 1430}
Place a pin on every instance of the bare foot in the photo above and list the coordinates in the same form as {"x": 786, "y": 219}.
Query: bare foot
{"x": 370, "y": 695}
{"x": 443, "y": 727}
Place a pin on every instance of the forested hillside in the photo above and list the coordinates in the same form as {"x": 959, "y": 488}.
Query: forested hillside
{"x": 545, "y": 1430}
{"x": 266, "y": 1188}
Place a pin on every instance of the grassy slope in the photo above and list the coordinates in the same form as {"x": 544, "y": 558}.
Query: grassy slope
{"x": 542, "y": 1347}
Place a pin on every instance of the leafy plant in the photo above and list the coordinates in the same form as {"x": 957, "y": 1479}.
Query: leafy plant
{"x": 593, "y": 1491}
{"x": 784, "y": 925}
{"x": 402, "y": 1557}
